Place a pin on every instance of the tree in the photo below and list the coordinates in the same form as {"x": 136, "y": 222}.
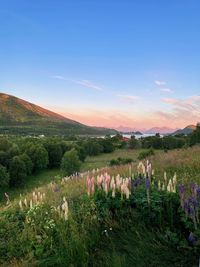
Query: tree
{"x": 4, "y": 176}
{"x": 13, "y": 151}
{"x": 81, "y": 152}
{"x": 4, "y": 159}
{"x": 39, "y": 157}
{"x": 70, "y": 163}
{"x": 28, "y": 163}
{"x": 107, "y": 145}
{"x": 5, "y": 144}
{"x": 55, "y": 153}
{"x": 17, "y": 172}
{"x": 93, "y": 148}
{"x": 133, "y": 142}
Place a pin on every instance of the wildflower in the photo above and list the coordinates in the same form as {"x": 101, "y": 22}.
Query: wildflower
{"x": 20, "y": 205}
{"x": 159, "y": 186}
{"x": 31, "y": 204}
{"x": 163, "y": 187}
{"x": 7, "y": 198}
{"x": 147, "y": 183}
{"x": 192, "y": 239}
{"x": 141, "y": 168}
{"x": 165, "y": 177}
{"x": 65, "y": 210}
{"x": 25, "y": 202}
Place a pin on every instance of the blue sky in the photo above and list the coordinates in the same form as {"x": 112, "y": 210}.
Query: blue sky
{"x": 105, "y": 63}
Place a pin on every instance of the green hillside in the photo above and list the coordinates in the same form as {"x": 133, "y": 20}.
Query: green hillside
{"x": 21, "y": 117}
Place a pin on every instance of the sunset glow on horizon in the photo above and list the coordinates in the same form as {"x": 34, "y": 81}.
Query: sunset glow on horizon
{"x": 105, "y": 63}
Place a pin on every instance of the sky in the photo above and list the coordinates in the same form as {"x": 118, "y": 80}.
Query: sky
{"x": 130, "y": 63}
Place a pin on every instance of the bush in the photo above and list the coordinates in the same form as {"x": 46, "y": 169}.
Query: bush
{"x": 120, "y": 161}
{"x": 70, "y": 163}
{"x": 146, "y": 154}
{"x": 17, "y": 171}
{"x": 4, "y": 176}
{"x": 39, "y": 157}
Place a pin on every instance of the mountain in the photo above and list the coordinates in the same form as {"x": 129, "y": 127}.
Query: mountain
{"x": 125, "y": 129}
{"x": 161, "y": 130}
{"x": 18, "y": 116}
{"x": 187, "y": 130}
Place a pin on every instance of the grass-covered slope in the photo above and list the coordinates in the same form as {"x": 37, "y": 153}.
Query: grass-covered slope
{"x": 21, "y": 117}
{"x": 102, "y": 230}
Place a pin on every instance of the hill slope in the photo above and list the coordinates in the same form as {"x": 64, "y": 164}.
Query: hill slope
{"x": 18, "y": 116}
{"x": 187, "y": 130}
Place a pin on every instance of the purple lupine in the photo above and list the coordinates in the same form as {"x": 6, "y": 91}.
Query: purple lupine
{"x": 192, "y": 239}
{"x": 192, "y": 200}
{"x": 186, "y": 207}
{"x": 198, "y": 192}
{"x": 181, "y": 189}
{"x": 193, "y": 187}
{"x": 147, "y": 183}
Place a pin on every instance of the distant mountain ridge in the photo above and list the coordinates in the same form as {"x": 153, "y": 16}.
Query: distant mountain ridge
{"x": 187, "y": 130}
{"x": 18, "y": 116}
{"x": 153, "y": 130}
{"x": 161, "y": 130}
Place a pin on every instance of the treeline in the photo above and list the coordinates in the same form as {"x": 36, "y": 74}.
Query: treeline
{"x": 21, "y": 157}
{"x": 158, "y": 142}
{"x": 167, "y": 142}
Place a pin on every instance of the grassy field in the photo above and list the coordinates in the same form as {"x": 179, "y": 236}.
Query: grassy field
{"x": 45, "y": 176}
{"x": 103, "y": 160}
{"x": 129, "y": 242}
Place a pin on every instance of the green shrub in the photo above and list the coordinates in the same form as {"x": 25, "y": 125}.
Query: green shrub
{"x": 146, "y": 154}
{"x": 70, "y": 163}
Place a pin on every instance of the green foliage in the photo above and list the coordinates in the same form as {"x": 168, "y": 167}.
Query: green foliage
{"x": 146, "y": 154}
{"x": 17, "y": 172}
{"x": 120, "y": 161}
{"x": 28, "y": 163}
{"x": 70, "y": 163}
{"x": 39, "y": 157}
{"x": 54, "y": 153}
{"x": 92, "y": 147}
{"x": 4, "y": 176}
{"x": 107, "y": 145}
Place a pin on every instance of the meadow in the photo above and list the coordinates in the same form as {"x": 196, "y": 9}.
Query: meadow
{"x": 93, "y": 219}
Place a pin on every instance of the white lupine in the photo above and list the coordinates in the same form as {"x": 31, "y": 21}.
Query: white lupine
{"x": 129, "y": 170}
{"x": 20, "y": 205}
{"x": 149, "y": 169}
{"x": 165, "y": 177}
{"x": 174, "y": 179}
{"x": 113, "y": 190}
{"x": 127, "y": 192}
{"x": 25, "y": 202}
{"x": 169, "y": 186}
{"x": 159, "y": 185}
{"x": 141, "y": 168}
{"x": 31, "y": 204}
{"x": 112, "y": 183}
{"x": 163, "y": 186}
{"x": 65, "y": 210}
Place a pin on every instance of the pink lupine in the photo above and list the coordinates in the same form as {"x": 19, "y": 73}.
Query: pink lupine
{"x": 88, "y": 185}
{"x": 92, "y": 185}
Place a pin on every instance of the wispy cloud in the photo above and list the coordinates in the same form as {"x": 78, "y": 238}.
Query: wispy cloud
{"x": 184, "y": 110}
{"x": 85, "y": 83}
{"x": 88, "y": 84}
{"x": 166, "y": 90}
{"x": 129, "y": 98}
{"x": 59, "y": 77}
{"x": 160, "y": 83}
